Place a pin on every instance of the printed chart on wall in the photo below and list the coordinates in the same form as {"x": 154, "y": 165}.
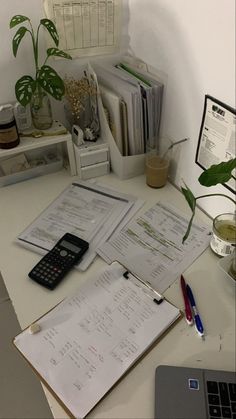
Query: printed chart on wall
{"x": 217, "y": 136}
{"x": 86, "y": 27}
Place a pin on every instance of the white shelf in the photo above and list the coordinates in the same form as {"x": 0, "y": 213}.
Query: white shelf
{"x": 32, "y": 143}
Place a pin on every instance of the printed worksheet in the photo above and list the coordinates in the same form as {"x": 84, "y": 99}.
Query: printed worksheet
{"x": 88, "y": 211}
{"x": 86, "y": 343}
{"x": 86, "y": 27}
{"x": 151, "y": 245}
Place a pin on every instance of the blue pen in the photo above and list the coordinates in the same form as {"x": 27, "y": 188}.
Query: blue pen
{"x": 198, "y": 322}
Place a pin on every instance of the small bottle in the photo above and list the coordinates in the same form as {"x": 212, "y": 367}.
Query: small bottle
{"x": 9, "y": 136}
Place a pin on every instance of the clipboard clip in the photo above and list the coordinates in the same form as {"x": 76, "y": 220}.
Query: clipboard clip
{"x": 155, "y": 300}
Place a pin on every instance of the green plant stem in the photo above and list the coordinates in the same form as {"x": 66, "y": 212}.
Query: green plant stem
{"x": 215, "y": 194}
{"x": 35, "y": 47}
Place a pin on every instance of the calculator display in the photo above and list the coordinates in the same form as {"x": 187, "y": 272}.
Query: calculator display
{"x": 70, "y": 246}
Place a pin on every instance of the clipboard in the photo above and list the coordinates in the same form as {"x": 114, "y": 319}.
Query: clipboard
{"x": 95, "y": 335}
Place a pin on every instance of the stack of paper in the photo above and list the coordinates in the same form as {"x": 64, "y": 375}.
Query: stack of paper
{"x": 142, "y": 95}
{"x": 92, "y": 212}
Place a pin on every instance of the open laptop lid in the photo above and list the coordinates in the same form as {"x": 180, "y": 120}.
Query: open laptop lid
{"x": 181, "y": 393}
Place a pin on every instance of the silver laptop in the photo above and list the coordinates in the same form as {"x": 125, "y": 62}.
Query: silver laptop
{"x": 192, "y": 393}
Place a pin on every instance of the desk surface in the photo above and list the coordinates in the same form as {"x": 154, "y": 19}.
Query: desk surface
{"x": 133, "y": 396}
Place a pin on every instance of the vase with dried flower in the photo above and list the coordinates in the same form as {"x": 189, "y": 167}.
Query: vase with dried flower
{"x": 80, "y": 95}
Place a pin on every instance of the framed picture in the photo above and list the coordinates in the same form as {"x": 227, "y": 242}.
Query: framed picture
{"x": 217, "y": 141}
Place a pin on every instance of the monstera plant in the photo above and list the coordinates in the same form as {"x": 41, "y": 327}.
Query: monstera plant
{"x": 216, "y": 174}
{"x": 45, "y": 81}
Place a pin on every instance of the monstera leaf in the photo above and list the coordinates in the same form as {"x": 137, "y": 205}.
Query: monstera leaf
{"x": 58, "y": 53}
{"x": 15, "y": 20}
{"x": 51, "y": 82}
{"x": 17, "y": 39}
{"x": 218, "y": 173}
{"x": 51, "y": 28}
{"x": 24, "y": 89}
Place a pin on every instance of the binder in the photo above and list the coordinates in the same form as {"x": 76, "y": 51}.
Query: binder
{"x": 113, "y": 103}
{"x": 130, "y": 93}
{"x": 87, "y": 342}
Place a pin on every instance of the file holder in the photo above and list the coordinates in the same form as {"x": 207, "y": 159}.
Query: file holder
{"x": 126, "y": 167}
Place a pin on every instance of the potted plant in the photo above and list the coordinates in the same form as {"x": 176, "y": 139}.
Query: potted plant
{"x": 35, "y": 90}
{"x": 216, "y": 174}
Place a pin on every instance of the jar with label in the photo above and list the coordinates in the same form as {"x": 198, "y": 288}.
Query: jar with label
{"x": 223, "y": 240}
{"x": 9, "y": 136}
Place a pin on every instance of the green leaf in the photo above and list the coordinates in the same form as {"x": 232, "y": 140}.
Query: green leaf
{"x": 217, "y": 173}
{"x": 49, "y": 25}
{"x": 17, "y": 39}
{"x": 188, "y": 229}
{"x": 15, "y": 20}
{"x": 51, "y": 82}
{"x": 58, "y": 53}
{"x": 24, "y": 89}
{"x": 191, "y": 200}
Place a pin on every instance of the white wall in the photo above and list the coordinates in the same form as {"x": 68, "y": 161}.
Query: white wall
{"x": 193, "y": 42}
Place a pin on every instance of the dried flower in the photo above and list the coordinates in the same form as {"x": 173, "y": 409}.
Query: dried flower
{"x": 76, "y": 93}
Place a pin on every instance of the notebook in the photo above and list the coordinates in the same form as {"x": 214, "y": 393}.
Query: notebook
{"x": 85, "y": 344}
{"x": 194, "y": 393}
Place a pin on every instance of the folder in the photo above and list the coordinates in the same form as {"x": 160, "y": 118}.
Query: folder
{"x": 125, "y": 167}
{"x": 152, "y": 95}
{"x": 85, "y": 344}
{"x": 130, "y": 93}
{"x": 113, "y": 103}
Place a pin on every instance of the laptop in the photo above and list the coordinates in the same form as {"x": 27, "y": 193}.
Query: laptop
{"x": 193, "y": 393}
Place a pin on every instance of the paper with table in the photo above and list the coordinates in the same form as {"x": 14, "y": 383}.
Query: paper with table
{"x": 85, "y": 209}
{"x": 150, "y": 245}
{"x": 88, "y": 341}
{"x": 88, "y": 27}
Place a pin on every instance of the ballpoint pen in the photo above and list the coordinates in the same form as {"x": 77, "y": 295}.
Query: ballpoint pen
{"x": 198, "y": 322}
{"x": 188, "y": 312}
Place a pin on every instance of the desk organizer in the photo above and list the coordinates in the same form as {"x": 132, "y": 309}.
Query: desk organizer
{"x": 41, "y": 162}
{"x": 92, "y": 159}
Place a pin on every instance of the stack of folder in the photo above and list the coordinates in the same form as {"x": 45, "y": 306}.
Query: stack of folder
{"x": 133, "y": 99}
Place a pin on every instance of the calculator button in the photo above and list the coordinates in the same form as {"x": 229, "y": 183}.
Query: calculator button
{"x": 63, "y": 253}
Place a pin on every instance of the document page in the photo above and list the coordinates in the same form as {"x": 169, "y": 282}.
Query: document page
{"x": 86, "y": 27}
{"x": 217, "y": 136}
{"x": 88, "y": 211}
{"x": 151, "y": 246}
{"x": 89, "y": 341}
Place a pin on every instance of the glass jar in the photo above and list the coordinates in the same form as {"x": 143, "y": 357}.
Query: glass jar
{"x": 223, "y": 240}
{"x": 9, "y": 136}
{"x": 41, "y": 110}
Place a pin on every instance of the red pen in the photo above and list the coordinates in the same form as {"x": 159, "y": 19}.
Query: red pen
{"x": 188, "y": 311}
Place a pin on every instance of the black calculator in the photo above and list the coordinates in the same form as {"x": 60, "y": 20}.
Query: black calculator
{"x": 52, "y": 268}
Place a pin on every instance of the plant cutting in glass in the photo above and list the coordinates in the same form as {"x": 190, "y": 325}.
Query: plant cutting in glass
{"x": 216, "y": 174}
{"x": 46, "y": 78}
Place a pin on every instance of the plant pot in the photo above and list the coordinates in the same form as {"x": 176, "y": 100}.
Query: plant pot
{"x": 41, "y": 111}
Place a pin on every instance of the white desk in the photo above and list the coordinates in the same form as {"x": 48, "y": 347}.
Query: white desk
{"x": 133, "y": 396}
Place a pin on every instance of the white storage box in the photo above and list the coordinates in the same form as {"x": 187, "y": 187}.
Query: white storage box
{"x": 92, "y": 159}
{"x": 40, "y": 162}
{"x": 95, "y": 170}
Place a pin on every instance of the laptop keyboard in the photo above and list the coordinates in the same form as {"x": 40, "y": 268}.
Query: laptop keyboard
{"x": 221, "y": 400}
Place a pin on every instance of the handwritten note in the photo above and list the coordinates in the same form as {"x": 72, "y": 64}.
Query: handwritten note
{"x": 88, "y": 341}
